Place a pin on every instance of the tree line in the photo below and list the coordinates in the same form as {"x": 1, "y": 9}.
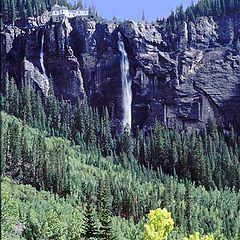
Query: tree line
{"x": 209, "y": 158}
{"x": 214, "y": 8}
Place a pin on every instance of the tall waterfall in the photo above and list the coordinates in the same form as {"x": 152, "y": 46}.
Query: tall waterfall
{"x": 41, "y": 56}
{"x": 126, "y": 83}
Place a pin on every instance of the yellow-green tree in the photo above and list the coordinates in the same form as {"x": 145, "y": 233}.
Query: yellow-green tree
{"x": 196, "y": 236}
{"x": 159, "y": 225}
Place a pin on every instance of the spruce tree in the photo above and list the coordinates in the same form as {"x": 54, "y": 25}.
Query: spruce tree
{"x": 105, "y": 214}
{"x": 89, "y": 225}
{"x": 180, "y": 14}
{"x": 198, "y": 170}
{"x": 12, "y": 11}
{"x": 29, "y": 8}
{"x": 189, "y": 207}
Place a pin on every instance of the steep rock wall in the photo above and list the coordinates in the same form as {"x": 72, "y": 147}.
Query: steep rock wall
{"x": 182, "y": 79}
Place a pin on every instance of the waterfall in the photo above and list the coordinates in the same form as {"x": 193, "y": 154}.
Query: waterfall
{"x": 41, "y": 56}
{"x": 126, "y": 84}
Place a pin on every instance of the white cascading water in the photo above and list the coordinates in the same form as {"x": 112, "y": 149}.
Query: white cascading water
{"x": 41, "y": 56}
{"x": 126, "y": 83}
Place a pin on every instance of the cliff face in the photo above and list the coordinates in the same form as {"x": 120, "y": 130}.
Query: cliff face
{"x": 21, "y": 51}
{"x": 182, "y": 79}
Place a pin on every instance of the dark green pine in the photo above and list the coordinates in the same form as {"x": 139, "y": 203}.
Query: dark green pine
{"x": 89, "y": 226}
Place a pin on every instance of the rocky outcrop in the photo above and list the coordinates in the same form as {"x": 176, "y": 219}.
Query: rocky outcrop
{"x": 21, "y": 51}
{"x": 203, "y": 32}
{"x": 95, "y": 46}
{"x": 11, "y": 59}
{"x": 173, "y": 84}
{"x": 62, "y": 64}
{"x": 183, "y": 86}
{"x": 32, "y": 74}
{"x": 219, "y": 78}
{"x": 182, "y": 79}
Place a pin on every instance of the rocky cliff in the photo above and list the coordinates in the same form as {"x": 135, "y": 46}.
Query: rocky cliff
{"x": 182, "y": 79}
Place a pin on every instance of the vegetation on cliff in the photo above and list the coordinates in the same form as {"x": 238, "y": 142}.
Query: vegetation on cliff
{"x": 203, "y": 8}
{"x": 209, "y": 158}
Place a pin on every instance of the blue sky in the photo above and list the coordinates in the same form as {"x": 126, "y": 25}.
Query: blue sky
{"x": 132, "y": 9}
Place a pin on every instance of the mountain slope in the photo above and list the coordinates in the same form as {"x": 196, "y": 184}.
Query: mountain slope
{"x": 184, "y": 70}
{"x": 68, "y": 171}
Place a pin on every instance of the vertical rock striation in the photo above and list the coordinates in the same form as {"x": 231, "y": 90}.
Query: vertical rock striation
{"x": 182, "y": 79}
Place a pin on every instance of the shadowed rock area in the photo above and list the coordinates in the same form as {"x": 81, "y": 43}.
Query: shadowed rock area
{"x": 181, "y": 79}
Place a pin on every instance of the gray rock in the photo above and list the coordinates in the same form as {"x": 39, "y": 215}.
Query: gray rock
{"x": 181, "y": 78}
{"x": 33, "y": 75}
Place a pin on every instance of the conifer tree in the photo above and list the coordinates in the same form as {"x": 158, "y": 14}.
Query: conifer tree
{"x": 125, "y": 142}
{"x": 217, "y": 10}
{"x": 198, "y": 162}
{"x": 89, "y": 225}
{"x": 180, "y": 14}
{"x": 29, "y": 9}
{"x": 105, "y": 214}
{"x": 12, "y": 11}
{"x": 189, "y": 208}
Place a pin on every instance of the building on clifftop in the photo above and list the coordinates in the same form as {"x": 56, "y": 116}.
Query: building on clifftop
{"x": 59, "y": 13}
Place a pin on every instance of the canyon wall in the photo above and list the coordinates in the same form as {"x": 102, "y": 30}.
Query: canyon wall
{"x": 181, "y": 79}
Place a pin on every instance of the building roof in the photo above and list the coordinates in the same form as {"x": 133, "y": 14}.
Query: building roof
{"x": 56, "y": 7}
{"x": 64, "y": 8}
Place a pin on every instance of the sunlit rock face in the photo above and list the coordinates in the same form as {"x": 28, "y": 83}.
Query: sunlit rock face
{"x": 181, "y": 79}
{"x": 40, "y": 53}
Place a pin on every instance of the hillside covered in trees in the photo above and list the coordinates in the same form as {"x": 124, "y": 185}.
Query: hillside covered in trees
{"x": 210, "y": 8}
{"x": 77, "y": 177}
{"x": 67, "y": 174}
{"x": 73, "y": 154}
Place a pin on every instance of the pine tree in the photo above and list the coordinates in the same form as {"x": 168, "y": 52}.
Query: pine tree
{"x": 180, "y": 14}
{"x": 26, "y": 160}
{"x": 15, "y": 150}
{"x": 184, "y": 166}
{"x": 78, "y": 122}
{"x": 172, "y": 23}
{"x": 143, "y": 16}
{"x": 105, "y": 214}
{"x": 27, "y": 105}
{"x": 217, "y": 10}
{"x": 198, "y": 170}
{"x": 89, "y": 225}
{"x": 173, "y": 160}
{"x": 106, "y": 140}
{"x": 178, "y": 208}
{"x": 5, "y": 10}
{"x": 10, "y": 88}
{"x": 159, "y": 145}
{"x": 125, "y": 142}
{"x": 189, "y": 208}
{"x": 29, "y": 9}
{"x": 142, "y": 150}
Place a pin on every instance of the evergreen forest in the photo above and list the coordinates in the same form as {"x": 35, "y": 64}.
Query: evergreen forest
{"x": 64, "y": 164}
